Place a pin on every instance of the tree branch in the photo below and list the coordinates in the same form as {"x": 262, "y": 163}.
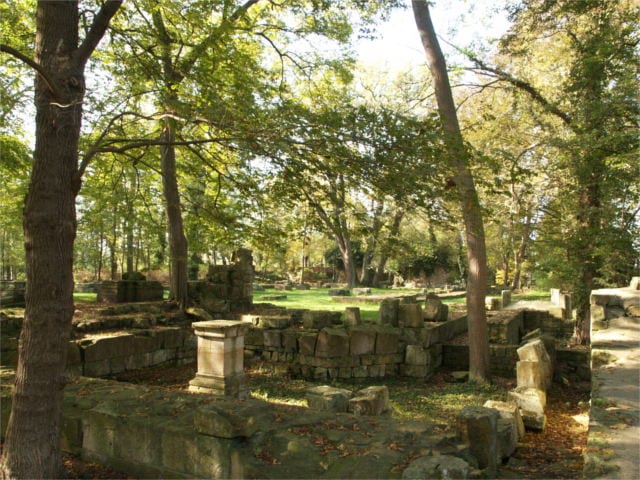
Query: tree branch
{"x": 97, "y": 30}
{"x": 33, "y": 64}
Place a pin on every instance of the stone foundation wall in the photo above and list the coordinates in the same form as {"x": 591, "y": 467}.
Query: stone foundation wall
{"x": 226, "y": 288}
{"x": 124, "y": 291}
{"x": 332, "y": 351}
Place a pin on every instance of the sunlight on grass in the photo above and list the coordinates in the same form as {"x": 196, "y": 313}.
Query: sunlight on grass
{"x": 85, "y": 297}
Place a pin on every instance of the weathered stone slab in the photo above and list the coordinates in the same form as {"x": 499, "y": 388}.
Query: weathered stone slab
{"x": 226, "y": 421}
{"x": 307, "y": 343}
{"x": 437, "y": 467}
{"x": 531, "y": 402}
{"x": 532, "y": 375}
{"x": 388, "y": 312}
{"x": 339, "y": 292}
{"x": 415, "y": 355}
{"x": 434, "y": 309}
{"x": 318, "y": 319}
{"x": 370, "y": 401}
{"x": 361, "y": 291}
{"x": 324, "y": 397}
{"x": 507, "y": 434}
{"x": 505, "y": 298}
{"x": 492, "y": 303}
{"x": 332, "y": 342}
{"x": 477, "y": 428}
{"x": 410, "y": 315}
{"x": 535, "y": 376}
{"x": 508, "y": 410}
{"x": 352, "y": 316}
{"x": 386, "y": 341}
{"x": 362, "y": 341}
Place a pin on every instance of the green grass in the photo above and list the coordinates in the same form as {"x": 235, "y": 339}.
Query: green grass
{"x": 319, "y": 299}
{"x": 410, "y": 399}
{"x": 85, "y": 297}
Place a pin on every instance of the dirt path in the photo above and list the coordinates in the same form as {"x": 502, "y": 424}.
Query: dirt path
{"x": 614, "y": 431}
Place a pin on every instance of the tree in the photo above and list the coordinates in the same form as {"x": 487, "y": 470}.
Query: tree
{"x": 458, "y": 157}
{"x": 589, "y": 112}
{"x": 32, "y": 448}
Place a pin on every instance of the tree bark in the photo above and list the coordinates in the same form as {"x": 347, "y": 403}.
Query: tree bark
{"x": 32, "y": 442}
{"x": 177, "y": 238}
{"x": 468, "y": 197}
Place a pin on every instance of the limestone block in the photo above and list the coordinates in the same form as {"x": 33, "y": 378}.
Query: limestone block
{"x": 361, "y": 291}
{"x": 532, "y": 375}
{"x": 362, "y": 341}
{"x": 370, "y": 401}
{"x": 531, "y": 402}
{"x": 507, "y": 437}
{"x": 254, "y": 337}
{"x": 433, "y": 309}
{"x": 324, "y": 397}
{"x": 508, "y": 410}
{"x": 318, "y": 319}
{"x": 410, "y": 315}
{"x": 386, "y": 341}
{"x": 437, "y": 467}
{"x": 223, "y": 421}
{"x": 415, "y": 355}
{"x": 388, "y": 312}
{"x": 352, "y": 316}
{"x": 307, "y": 343}
{"x": 199, "y": 314}
{"x": 289, "y": 341}
{"x": 275, "y": 321}
{"x": 272, "y": 338}
{"x": 505, "y": 297}
{"x": 477, "y": 428}
{"x": 332, "y": 342}
{"x": 535, "y": 351}
{"x": 492, "y": 303}
{"x": 635, "y": 283}
{"x": 339, "y": 292}
{"x": 555, "y": 296}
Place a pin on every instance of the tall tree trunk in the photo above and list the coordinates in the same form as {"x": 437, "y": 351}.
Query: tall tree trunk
{"x": 386, "y": 249}
{"x": 468, "y": 197}
{"x": 177, "y": 239}
{"x": 32, "y": 443}
{"x": 519, "y": 255}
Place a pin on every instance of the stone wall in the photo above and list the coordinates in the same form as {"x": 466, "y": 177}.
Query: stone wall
{"x": 124, "y": 291}
{"x": 226, "y": 288}
{"x": 319, "y": 346}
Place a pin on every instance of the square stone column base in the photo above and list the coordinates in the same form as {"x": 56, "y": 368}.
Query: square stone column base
{"x": 229, "y": 386}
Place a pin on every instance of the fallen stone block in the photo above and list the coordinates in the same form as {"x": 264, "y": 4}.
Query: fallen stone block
{"x": 361, "y": 291}
{"x": 507, "y": 437}
{"x": 437, "y": 466}
{"x": 531, "y": 402}
{"x": 508, "y": 410}
{"x": 434, "y": 309}
{"x": 535, "y": 376}
{"x": 370, "y": 401}
{"x": 477, "y": 428}
{"x": 410, "y": 315}
{"x": 328, "y": 398}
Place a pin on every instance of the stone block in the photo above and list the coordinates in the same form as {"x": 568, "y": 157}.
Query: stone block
{"x": 272, "y": 338}
{"x": 362, "y": 341}
{"x": 387, "y": 341}
{"x": 415, "y": 355}
{"x": 531, "y": 402}
{"x": 492, "y": 303}
{"x": 370, "y": 401}
{"x": 437, "y": 466}
{"x": 289, "y": 341}
{"x": 477, "y": 428}
{"x": 410, "y": 315}
{"x": 352, "y": 316}
{"x": 505, "y": 297}
{"x": 531, "y": 375}
{"x": 328, "y": 398}
{"x": 339, "y": 292}
{"x": 508, "y": 410}
{"x": 415, "y": 371}
{"x": 361, "y": 291}
{"x": 240, "y": 420}
{"x": 536, "y": 351}
{"x": 319, "y": 319}
{"x": 254, "y": 337}
{"x": 388, "y": 312}
{"x": 332, "y": 342}
{"x": 507, "y": 437}
{"x": 634, "y": 284}
{"x": 307, "y": 343}
{"x": 272, "y": 321}
{"x": 434, "y": 309}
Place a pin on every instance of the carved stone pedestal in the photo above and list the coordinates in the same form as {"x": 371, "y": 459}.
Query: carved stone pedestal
{"x": 220, "y": 358}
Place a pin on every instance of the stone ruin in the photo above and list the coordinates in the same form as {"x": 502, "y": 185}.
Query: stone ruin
{"x": 226, "y": 288}
{"x": 134, "y": 287}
